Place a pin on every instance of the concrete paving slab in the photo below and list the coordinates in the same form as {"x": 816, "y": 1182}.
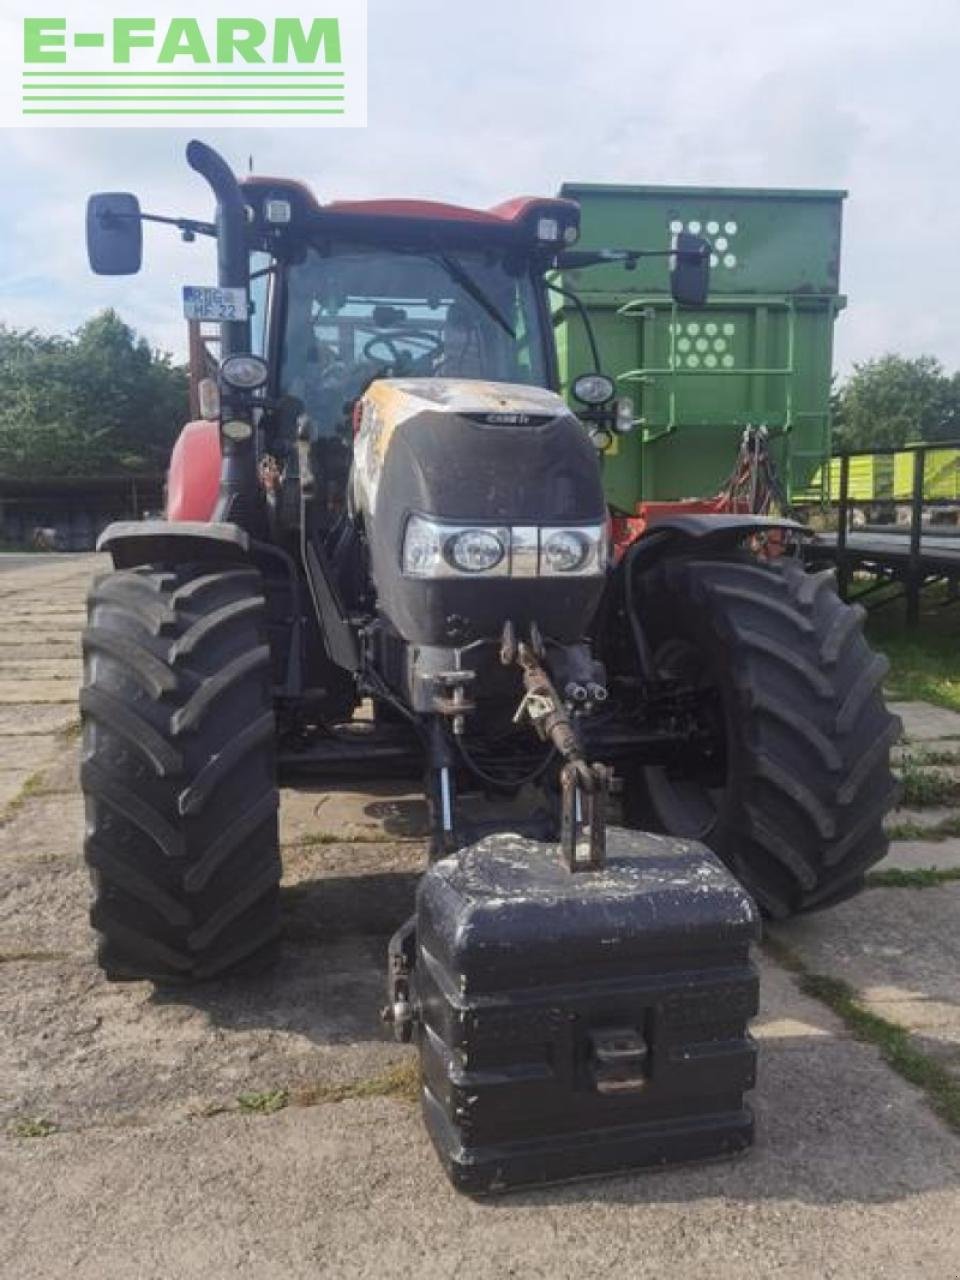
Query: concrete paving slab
{"x": 62, "y": 773}
{"x": 852, "y": 1175}
{"x": 914, "y": 855}
{"x": 53, "y": 643}
{"x": 94, "y": 1053}
{"x": 39, "y": 605}
{"x": 139, "y": 1052}
{"x": 13, "y": 692}
{"x": 59, "y": 667}
{"x": 354, "y": 1190}
{"x": 923, "y": 722}
{"x": 29, "y": 751}
{"x": 43, "y": 621}
{"x": 18, "y": 719}
{"x": 383, "y": 810}
{"x": 43, "y": 828}
{"x": 920, "y": 817}
{"x": 338, "y": 890}
{"x": 43, "y": 907}
{"x": 12, "y": 782}
{"x": 900, "y": 950}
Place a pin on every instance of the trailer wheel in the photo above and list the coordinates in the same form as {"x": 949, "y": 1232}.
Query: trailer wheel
{"x": 179, "y": 773}
{"x": 794, "y": 796}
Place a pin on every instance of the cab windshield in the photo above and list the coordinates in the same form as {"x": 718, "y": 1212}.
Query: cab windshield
{"x": 355, "y": 313}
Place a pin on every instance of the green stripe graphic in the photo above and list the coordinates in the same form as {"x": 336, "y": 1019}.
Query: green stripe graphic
{"x": 175, "y": 97}
{"x": 174, "y": 111}
{"x": 182, "y": 73}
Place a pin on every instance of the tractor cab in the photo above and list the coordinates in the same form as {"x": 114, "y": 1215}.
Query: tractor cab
{"x": 348, "y": 293}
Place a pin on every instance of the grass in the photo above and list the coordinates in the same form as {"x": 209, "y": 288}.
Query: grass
{"x": 896, "y": 1047}
{"x": 265, "y": 1103}
{"x": 401, "y": 1080}
{"x": 313, "y": 838}
{"x": 923, "y": 661}
{"x": 946, "y": 829}
{"x": 926, "y": 757}
{"x": 33, "y": 1127}
{"x": 33, "y": 786}
{"x": 912, "y": 877}
{"x": 925, "y": 788}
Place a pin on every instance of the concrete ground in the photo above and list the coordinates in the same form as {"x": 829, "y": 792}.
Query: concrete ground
{"x": 125, "y": 1152}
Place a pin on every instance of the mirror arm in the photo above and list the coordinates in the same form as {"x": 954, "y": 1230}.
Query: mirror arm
{"x": 190, "y": 225}
{"x": 182, "y": 224}
{"x": 574, "y": 259}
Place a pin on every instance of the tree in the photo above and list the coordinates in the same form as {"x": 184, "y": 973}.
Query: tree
{"x": 892, "y": 400}
{"x": 98, "y": 402}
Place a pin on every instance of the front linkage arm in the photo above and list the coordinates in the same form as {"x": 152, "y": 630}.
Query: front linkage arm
{"x": 583, "y": 786}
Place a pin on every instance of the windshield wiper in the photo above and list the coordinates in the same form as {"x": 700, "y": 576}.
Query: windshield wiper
{"x": 469, "y": 285}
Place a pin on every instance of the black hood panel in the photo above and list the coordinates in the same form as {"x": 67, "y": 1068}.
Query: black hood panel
{"x": 457, "y": 468}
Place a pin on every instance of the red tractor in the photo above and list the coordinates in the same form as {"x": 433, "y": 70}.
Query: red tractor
{"x": 387, "y": 505}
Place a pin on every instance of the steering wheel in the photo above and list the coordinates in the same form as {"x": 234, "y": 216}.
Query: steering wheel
{"x": 427, "y": 342}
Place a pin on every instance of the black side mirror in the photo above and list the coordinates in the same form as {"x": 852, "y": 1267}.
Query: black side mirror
{"x": 114, "y": 233}
{"x": 690, "y": 270}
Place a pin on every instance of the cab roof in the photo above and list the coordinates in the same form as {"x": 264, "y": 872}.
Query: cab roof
{"x": 517, "y": 221}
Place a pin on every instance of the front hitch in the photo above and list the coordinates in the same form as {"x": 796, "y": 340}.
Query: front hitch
{"x": 583, "y": 787}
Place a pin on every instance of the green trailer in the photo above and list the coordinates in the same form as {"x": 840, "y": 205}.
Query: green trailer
{"x": 759, "y": 353}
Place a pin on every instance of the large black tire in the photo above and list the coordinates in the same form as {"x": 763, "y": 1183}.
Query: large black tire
{"x": 794, "y": 802}
{"x": 179, "y": 773}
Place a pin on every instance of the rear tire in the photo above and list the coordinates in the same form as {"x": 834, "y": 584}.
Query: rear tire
{"x": 796, "y": 801}
{"x": 179, "y": 773}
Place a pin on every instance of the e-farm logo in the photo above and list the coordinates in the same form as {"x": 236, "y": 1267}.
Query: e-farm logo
{"x": 168, "y": 68}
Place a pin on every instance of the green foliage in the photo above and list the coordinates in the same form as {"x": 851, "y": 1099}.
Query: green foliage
{"x": 912, "y": 877}
{"x": 33, "y": 1127}
{"x": 923, "y": 660}
{"x": 98, "y": 402}
{"x": 892, "y": 400}
{"x": 946, "y": 829}
{"x": 925, "y": 788}
{"x": 265, "y": 1103}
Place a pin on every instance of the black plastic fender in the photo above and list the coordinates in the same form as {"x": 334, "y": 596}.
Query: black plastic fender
{"x": 720, "y": 530}
{"x": 136, "y": 542}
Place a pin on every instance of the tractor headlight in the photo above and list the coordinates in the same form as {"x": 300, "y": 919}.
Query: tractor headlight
{"x": 438, "y": 549}
{"x": 594, "y": 388}
{"x": 474, "y": 550}
{"x": 244, "y": 373}
{"x": 574, "y": 552}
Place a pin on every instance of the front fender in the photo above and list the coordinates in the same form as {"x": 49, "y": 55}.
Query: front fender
{"x": 136, "y": 542}
{"x": 703, "y": 531}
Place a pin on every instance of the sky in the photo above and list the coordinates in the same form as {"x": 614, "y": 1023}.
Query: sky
{"x": 475, "y": 103}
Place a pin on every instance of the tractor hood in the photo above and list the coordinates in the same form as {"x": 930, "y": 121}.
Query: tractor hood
{"x": 462, "y": 454}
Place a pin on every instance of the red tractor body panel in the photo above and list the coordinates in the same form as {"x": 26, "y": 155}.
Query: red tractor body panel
{"x": 193, "y": 480}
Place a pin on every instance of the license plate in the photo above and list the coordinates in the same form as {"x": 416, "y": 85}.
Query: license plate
{"x": 204, "y": 302}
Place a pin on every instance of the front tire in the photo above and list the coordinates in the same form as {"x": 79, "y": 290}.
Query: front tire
{"x": 179, "y": 773}
{"x": 795, "y": 797}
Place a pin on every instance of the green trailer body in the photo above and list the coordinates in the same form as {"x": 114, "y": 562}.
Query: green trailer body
{"x": 759, "y": 352}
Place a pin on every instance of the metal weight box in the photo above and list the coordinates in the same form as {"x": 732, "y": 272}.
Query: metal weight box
{"x": 580, "y": 1024}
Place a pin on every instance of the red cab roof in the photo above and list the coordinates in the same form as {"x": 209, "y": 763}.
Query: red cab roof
{"x": 518, "y": 209}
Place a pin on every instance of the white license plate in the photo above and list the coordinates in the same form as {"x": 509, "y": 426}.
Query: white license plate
{"x": 204, "y": 302}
